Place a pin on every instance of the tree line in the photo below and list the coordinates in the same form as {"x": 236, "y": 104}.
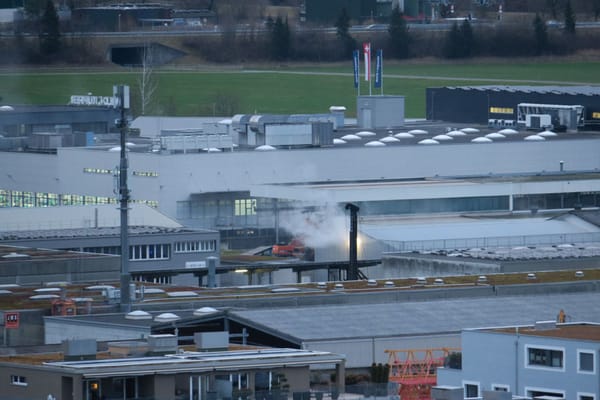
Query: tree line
{"x": 464, "y": 39}
{"x": 277, "y": 42}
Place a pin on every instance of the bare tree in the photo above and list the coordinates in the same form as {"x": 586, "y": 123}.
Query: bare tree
{"x": 147, "y": 82}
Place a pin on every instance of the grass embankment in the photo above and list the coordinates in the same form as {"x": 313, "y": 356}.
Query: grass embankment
{"x": 286, "y": 90}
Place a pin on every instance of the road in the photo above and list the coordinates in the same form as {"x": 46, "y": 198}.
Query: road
{"x": 441, "y": 25}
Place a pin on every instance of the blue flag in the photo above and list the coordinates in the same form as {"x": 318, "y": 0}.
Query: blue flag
{"x": 355, "y": 55}
{"x": 379, "y": 69}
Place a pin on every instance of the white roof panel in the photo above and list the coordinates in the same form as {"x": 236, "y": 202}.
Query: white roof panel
{"x": 461, "y": 227}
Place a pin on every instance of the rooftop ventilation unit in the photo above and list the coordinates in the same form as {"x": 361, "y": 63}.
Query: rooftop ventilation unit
{"x": 162, "y": 344}
{"x": 79, "y": 349}
{"x": 211, "y": 341}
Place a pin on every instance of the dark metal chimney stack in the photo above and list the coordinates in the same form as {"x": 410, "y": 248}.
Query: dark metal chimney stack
{"x": 122, "y": 92}
{"x": 353, "y": 264}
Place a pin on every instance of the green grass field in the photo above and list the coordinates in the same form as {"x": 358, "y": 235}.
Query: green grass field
{"x": 290, "y": 89}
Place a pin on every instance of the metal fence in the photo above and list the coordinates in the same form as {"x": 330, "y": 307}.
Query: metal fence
{"x": 490, "y": 242}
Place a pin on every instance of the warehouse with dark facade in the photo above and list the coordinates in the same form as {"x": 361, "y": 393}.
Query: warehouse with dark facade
{"x": 566, "y": 107}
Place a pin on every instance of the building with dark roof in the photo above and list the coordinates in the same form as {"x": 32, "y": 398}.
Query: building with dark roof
{"x": 23, "y": 121}
{"x": 479, "y": 104}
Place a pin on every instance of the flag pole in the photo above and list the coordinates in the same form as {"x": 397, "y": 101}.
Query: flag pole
{"x": 381, "y": 74}
{"x": 367, "y": 55}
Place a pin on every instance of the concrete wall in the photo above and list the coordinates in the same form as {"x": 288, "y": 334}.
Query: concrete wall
{"x": 58, "y": 331}
{"x": 38, "y": 384}
{"x": 30, "y": 330}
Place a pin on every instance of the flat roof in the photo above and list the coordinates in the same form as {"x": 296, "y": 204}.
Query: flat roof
{"x": 93, "y": 232}
{"x": 80, "y": 216}
{"x": 586, "y": 90}
{"x": 439, "y": 316}
{"x": 15, "y": 253}
{"x": 198, "y": 362}
{"x": 436, "y": 227}
{"x": 581, "y": 331}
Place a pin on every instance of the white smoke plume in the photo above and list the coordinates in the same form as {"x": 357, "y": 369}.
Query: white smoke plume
{"x": 321, "y": 226}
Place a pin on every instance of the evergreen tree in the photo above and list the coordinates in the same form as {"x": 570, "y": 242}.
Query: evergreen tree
{"x": 280, "y": 40}
{"x": 49, "y": 30}
{"x": 452, "y": 43}
{"x": 460, "y": 42}
{"x": 342, "y": 26}
{"x": 467, "y": 38}
{"x": 541, "y": 35}
{"x": 569, "y": 18}
{"x": 399, "y": 36}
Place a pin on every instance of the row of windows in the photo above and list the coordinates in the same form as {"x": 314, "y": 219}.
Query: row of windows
{"x": 98, "y": 171}
{"x": 245, "y": 207}
{"x": 103, "y": 250}
{"x": 149, "y": 252}
{"x": 501, "y": 110}
{"x": 136, "y": 252}
{"x": 156, "y": 251}
{"x": 147, "y": 174}
{"x": 105, "y": 171}
{"x": 471, "y": 390}
{"x": 210, "y": 207}
{"x": 195, "y": 246}
{"x": 16, "y": 198}
{"x": 554, "y": 358}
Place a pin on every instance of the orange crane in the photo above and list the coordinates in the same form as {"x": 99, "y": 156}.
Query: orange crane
{"x": 415, "y": 370}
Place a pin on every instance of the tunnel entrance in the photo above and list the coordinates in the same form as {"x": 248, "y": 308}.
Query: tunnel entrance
{"x": 136, "y": 55}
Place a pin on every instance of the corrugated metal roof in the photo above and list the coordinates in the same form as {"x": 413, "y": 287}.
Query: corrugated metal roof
{"x": 420, "y": 317}
{"x": 89, "y": 232}
{"x": 586, "y": 90}
{"x": 77, "y": 217}
{"x": 434, "y": 228}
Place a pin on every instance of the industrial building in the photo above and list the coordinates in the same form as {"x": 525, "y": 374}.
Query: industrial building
{"x": 159, "y": 248}
{"x": 547, "y": 360}
{"x": 499, "y": 105}
{"x": 263, "y": 179}
{"x": 42, "y": 128}
{"x": 217, "y": 177}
